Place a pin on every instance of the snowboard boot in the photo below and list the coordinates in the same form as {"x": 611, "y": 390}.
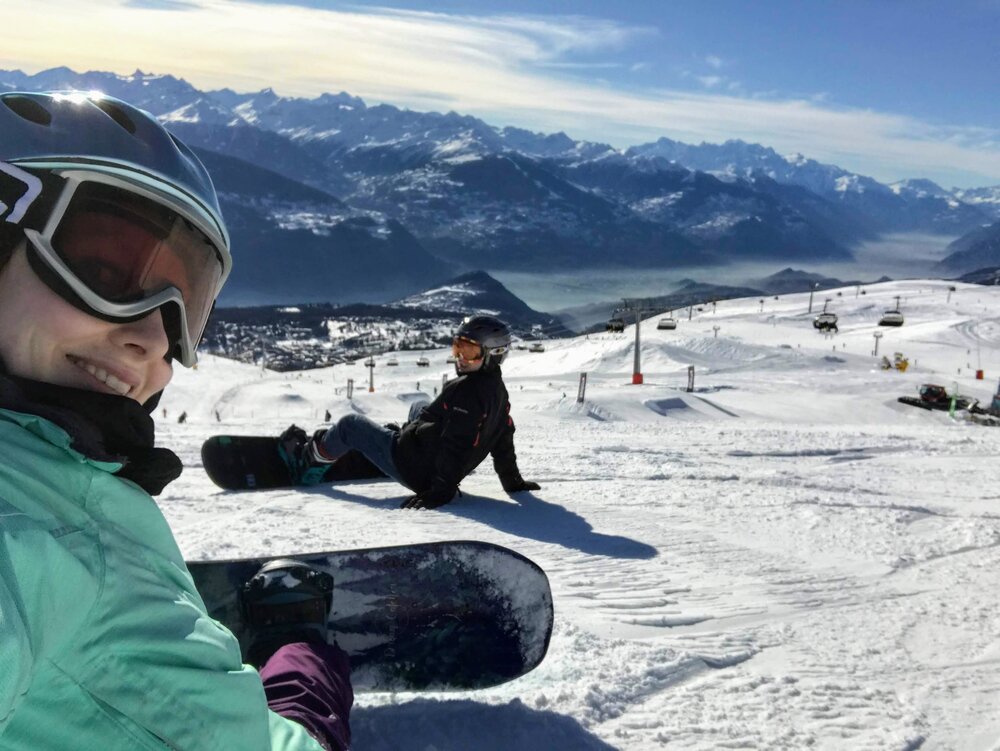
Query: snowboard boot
{"x": 300, "y": 452}
{"x": 286, "y": 602}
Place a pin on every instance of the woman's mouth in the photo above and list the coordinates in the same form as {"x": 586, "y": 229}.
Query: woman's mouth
{"x": 110, "y": 380}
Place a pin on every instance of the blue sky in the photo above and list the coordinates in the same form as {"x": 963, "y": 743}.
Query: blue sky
{"x": 889, "y": 89}
{"x": 934, "y": 60}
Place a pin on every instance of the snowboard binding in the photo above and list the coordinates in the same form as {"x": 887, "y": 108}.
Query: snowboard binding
{"x": 300, "y": 453}
{"x": 285, "y": 602}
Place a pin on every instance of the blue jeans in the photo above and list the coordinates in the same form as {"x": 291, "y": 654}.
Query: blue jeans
{"x": 371, "y": 439}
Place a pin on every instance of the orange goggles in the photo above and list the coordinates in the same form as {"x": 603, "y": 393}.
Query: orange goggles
{"x": 466, "y": 349}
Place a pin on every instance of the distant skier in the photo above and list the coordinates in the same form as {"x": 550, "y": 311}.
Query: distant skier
{"x": 443, "y": 441}
{"x": 112, "y": 252}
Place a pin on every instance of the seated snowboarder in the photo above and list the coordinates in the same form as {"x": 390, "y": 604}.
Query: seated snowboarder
{"x": 112, "y": 252}
{"x": 443, "y": 441}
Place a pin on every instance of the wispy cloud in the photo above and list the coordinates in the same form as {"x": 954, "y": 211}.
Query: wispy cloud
{"x": 161, "y": 4}
{"x": 713, "y": 80}
{"x": 532, "y": 71}
{"x": 582, "y": 66}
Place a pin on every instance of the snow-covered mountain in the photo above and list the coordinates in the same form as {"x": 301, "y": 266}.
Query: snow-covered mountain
{"x": 480, "y": 196}
{"x": 986, "y": 199}
{"x": 478, "y": 293}
{"x": 736, "y": 158}
{"x": 908, "y": 205}
{"x": 732, "y": 217}
{"x": 293, "y": 242}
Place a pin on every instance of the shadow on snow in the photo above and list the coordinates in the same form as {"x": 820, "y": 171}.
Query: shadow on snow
{"x": 529, "y": 517}
{"x": 533, "y": 518}
{"x": 458, "y": 725}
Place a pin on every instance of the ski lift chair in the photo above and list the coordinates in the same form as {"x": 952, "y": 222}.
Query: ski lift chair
{"x": 891, "y": 318}
{"x": 825, "y": 322}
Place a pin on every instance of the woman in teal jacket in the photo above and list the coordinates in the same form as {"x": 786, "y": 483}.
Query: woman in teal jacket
{"x": 112, "y": 252}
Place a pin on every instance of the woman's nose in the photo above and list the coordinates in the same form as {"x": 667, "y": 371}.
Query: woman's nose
{"x": 146, "y": 337}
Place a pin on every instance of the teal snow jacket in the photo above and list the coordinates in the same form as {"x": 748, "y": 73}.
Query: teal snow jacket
{"x": 105, "y": 644}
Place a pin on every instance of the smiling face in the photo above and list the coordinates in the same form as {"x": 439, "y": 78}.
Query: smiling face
{"x": 44, "y": 338}
{"x": 468, "y": 355}
{"x": 463, "y": 367}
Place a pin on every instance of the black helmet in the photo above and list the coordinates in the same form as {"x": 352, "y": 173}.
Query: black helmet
{"x": 53, "y": 143}
{"x": 492, "y": 334}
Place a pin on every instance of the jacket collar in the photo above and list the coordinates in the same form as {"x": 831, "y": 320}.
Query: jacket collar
{"x": 104, "y": 428}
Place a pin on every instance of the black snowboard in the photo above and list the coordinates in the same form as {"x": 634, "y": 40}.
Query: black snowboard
{"x": 250, "y": 462}
{"x": 430, "y": 617}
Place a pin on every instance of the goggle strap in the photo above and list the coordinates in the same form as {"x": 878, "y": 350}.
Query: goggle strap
{"x": 27, "y": 198}
{"x": 60, "y": 286}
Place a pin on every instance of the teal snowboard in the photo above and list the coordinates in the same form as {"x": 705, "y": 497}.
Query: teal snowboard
{"x": 430, "y": 617}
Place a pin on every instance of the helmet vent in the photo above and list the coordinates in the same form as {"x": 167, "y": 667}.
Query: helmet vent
{"x": 29, "y": 109}
{"x": 116, "y": 113}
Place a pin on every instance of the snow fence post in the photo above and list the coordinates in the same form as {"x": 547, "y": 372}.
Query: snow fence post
{"x": 350, "y": 388}
{"x": 636, "y": 367}
{"x": 582, "y": 390}
{"x": 690, "y": 387}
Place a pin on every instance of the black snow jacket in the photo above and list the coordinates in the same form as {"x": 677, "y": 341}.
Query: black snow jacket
{"x": 454, "y": 433}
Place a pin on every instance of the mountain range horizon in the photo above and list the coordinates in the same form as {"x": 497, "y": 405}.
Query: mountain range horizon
{"x": 556, "y": 139}
{"x": 332, "y": 200}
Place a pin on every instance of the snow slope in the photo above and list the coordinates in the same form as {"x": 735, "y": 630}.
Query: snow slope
{"x": 784, "y": 558}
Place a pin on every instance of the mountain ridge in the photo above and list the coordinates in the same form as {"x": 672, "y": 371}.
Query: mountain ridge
{"x": 453, "y": 191}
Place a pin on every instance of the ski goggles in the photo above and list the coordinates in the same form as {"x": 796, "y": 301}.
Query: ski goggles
{"x": 466, "y": 349}
{"x": 119, "y": 251}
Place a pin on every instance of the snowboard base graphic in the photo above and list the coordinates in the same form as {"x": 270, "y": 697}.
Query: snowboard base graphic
{"x": 429, "y": 617}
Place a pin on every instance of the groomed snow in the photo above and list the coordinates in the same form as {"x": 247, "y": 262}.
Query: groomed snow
{"x": 784, "y": 558}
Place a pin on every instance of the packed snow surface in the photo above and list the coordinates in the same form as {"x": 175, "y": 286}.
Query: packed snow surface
{"x": 783, "y": 558}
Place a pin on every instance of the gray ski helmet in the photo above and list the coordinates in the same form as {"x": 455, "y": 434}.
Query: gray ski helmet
{"x": 46, "y": 137}
{"x": 493, "y": 336}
